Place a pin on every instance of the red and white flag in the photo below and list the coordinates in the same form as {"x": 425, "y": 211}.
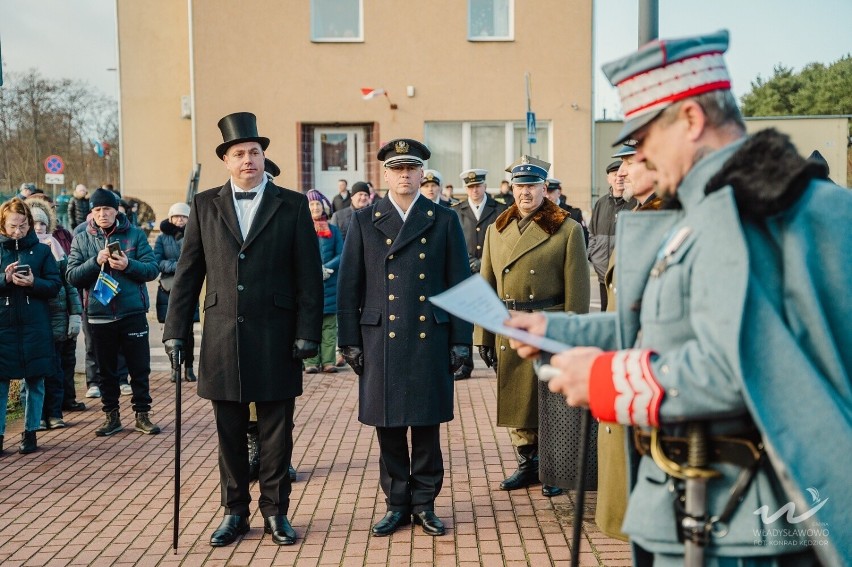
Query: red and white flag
{"x": 367, "y": 94}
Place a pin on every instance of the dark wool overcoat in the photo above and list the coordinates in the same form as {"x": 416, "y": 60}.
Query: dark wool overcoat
{"x": 388, "y": 272}
{"x": 474, "y": 230}
{"x": 262, "y": 293}
{"x": 26, "y": 341}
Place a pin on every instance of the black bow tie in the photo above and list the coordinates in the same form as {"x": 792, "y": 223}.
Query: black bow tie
{"x": 244, "y": 194}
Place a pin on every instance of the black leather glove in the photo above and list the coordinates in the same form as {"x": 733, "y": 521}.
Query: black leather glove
{"x": 354, "y": 357}
{"x": 459, "y": 355}
{"x": 175, "y": 349}
{"x": 305, "y": 348}
{"x": 475, "y": 265}
{"x": 489, "y": 356}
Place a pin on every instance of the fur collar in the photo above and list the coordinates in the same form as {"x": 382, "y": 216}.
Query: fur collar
{"x": 169, "y": 229}
{"x": 767, "y": 174}
{"x": 549, "y": 217}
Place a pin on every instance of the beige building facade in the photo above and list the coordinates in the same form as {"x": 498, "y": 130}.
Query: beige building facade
{"x": 454, "y": 73}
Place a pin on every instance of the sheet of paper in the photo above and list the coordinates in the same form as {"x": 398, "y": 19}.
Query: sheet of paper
{"x": 475, "y": 301}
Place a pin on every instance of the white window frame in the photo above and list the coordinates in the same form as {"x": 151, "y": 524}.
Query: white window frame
{"x": 510, "y": 37}
{"x": 355, "y": 39}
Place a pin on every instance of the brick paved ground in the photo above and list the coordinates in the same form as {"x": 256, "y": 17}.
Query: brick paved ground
{"x": 85, "y": 500}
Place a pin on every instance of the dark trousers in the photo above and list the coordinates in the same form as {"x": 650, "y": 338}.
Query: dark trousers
{"x": 410, "y": 484}
{"x": 92, "y": 376}
{"x": 130, "y": 336}
{"x": 604, "y": 298}
{"x": 54, "y": 390}
{"x": 68, "y": 359}
{"x": 275, "y": 436}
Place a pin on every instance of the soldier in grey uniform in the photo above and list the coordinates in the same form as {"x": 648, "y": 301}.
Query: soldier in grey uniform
{"x": 398, "y": 253}
{"x": 742, "y": 342}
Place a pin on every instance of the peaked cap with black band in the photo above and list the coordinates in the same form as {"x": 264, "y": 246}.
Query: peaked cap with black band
{"x": 237, "y": 128}
{"x": 663, "y": 72}
{"x": 431, "y": 176}
{"x": 528, "y": 170}
{"x": 403, "y": 151}
{"x": 473, "y": 176}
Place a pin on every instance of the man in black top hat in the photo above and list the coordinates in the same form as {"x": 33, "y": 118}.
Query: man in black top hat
{"x": 398, "y": 253}
{"x": 255, "y": 244}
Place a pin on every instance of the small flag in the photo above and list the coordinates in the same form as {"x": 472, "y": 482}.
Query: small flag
{"x": 106, "y": 288}
{"x": 367, "y": 94}
{"x": 98, "y": 147}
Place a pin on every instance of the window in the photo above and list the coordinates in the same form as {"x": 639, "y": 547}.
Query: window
{"x": 457, "y": 146}
{"x": 337, "y": 20}
{"x": 491, "y": 20}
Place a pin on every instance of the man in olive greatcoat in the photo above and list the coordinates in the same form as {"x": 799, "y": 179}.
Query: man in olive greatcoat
{"x": 255, "y": 244}
{"x": 398, "y": 253}
{"x": 535, "y": 259}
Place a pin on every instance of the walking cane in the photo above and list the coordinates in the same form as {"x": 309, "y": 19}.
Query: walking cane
{"x": 579, "y": 499}
{"x": 176, "y": 376}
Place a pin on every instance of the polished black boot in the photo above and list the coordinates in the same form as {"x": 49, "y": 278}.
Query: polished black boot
{"x": 281, "y": 530}
{"x": 28, "y": 442}
{"x": 392, "y": 521}
{"x": 229, "y": 530}
{"x": 550, "y": 491}
{"x": 253, "y": 451}
{"x": 527, "y": 473}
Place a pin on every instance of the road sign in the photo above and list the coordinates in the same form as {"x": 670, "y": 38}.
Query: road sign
{"x": 54, "y": 178}
{"x": 531, "y": 127}
{"x": 54, "y": 164}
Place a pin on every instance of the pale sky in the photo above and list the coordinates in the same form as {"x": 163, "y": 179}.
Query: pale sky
{"x": 76, "y": 38}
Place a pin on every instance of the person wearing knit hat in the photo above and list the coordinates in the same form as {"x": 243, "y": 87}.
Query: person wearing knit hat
{"x": 112, "y": 261}
{"x": 253, "y": 243}
{"x": 359, "y": 198}
{"x": 331, "y": 247}
{"x": 167, "y": 249}
{"x": 740, "y": 283}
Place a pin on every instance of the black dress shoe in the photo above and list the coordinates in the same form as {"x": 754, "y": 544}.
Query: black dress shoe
{"x": 432, "y": 524}
{"x": 227, "y": 532}
{"x": 281, "y": 530}
{"x": 74, "y": 406}
{"x": 390, "y": 523}
{"x": 550, "y": 491}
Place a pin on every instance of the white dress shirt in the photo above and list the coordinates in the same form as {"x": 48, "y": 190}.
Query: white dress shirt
{"x": 247, "y": 208}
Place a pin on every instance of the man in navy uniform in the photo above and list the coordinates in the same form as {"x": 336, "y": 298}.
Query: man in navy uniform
{"x": 430, "y": 187}
{"x": 398, "y": 253}
{"x": 255, "y": 245}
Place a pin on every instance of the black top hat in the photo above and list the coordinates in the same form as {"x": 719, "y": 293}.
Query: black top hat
{"x": 237, "y": 128}
{"x": 271, "y": 167}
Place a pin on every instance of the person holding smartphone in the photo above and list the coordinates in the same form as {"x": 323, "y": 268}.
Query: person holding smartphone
{"x": 30, "y": 279}
{"x": 112, "y": 245}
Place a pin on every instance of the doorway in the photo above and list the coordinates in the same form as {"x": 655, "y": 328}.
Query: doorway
{"x": 338, "y": 154}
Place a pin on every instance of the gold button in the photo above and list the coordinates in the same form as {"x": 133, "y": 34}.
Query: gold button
{"x": 506, "y": 271}
{"x": 532, "y": 271}
{"x": 507, "y": 296}
{"x": 390, "y": 257}
{"x": 477, "y": 229}
{"x": 388, "y": 241}
{"x": 423, "y": 317}
{"x": 479, "y": 247}
{"x": 422, "y": 255}
{"x": 422, "y": 298}
{"x": 390, "y": 276}
{"x": 391, "y": 297}
{"x": 392, "y": 334}
{"x": 430, "y": 213}
{"x": 378, "y": 214}
{"x": 392, "y": 317}
{"x": 422, "y": 241}
{"x": 422, "y": 335}
{"x": 531, "y": 296}
{"x": 422, "y": 276}
{"x": 502, "y": 347}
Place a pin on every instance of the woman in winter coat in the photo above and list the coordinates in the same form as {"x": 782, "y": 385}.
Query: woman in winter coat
{"x": 30, "y": 279}
{"x": 167, "y": 251}
{"x": 331, "y": 247}
{"x": 65, "y": 314}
